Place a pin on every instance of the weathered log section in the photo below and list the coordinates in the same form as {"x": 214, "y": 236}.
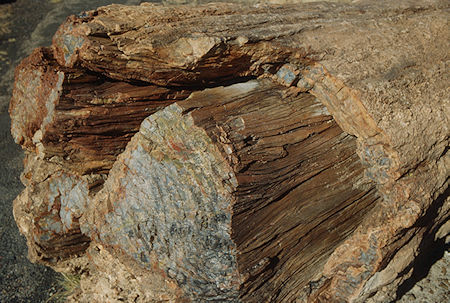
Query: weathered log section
{"x": 77, "y": 118}
{"x": 73, "y": 123}
{"x": 237, "y": 193}
{"x": 300, "y": 153}
{"x": 284, "y": 151}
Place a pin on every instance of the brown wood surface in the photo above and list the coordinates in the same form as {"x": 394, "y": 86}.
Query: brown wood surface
{"x": 77, "y": 118}
{"x": 293, "y": 153}
{"x": 296, "y": 196}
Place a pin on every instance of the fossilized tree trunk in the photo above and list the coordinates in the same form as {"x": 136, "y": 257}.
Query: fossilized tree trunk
{"x": 236, "y": 154}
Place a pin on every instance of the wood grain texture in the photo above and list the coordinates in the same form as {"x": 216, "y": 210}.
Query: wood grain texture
{"x": 308, "y": 152}
{"x": 232, "y": 180}
{"x": 284, "y": 150}
{"x": 213, "y": 43}
{"x": 77, "y": 118}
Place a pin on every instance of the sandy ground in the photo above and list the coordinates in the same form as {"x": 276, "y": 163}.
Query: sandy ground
{"x": 26, "y": 24}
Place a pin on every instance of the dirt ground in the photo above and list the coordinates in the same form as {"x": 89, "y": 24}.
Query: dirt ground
{"x": 26, "y": 24}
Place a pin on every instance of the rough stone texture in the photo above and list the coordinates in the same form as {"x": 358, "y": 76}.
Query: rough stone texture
{"x": 110, "y": 278}
{"x": 178, "y": 174}
{"x": 47, "y": 211}
{"x": 20, "y": 280}
{"x": 24, "y": 25}
{"x": 355, "y": 59}
{"x": 169, "y": 211}
{"x": 428, "y": 288}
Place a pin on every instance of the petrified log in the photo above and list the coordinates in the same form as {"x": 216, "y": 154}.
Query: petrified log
{"x": 77, "y": 118}
{"x": 225, "y": 193}
{"x": 284, "y": 153}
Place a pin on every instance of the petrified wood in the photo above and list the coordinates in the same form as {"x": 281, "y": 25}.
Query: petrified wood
{"x": 77, "y": 118}
{"x": 290, "y": 153}
{"x": 48, "y": 210}
{"x": 225, "y": 192}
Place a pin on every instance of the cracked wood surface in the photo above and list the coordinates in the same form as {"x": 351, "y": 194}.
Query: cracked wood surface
{"x": 356, "y": 59}
{"x": 284, "y": 150}
{"x": 77, "y": 118}
{"x": 367, "y": 46}
{"x": 225, "y": 192}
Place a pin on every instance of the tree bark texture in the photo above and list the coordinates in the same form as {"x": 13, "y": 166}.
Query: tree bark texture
{"x": 232, "y": 153}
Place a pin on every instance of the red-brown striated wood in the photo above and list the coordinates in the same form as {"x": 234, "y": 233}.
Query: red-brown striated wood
{"x": 77, "y": 118}
{"x": 284, "y": 150}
